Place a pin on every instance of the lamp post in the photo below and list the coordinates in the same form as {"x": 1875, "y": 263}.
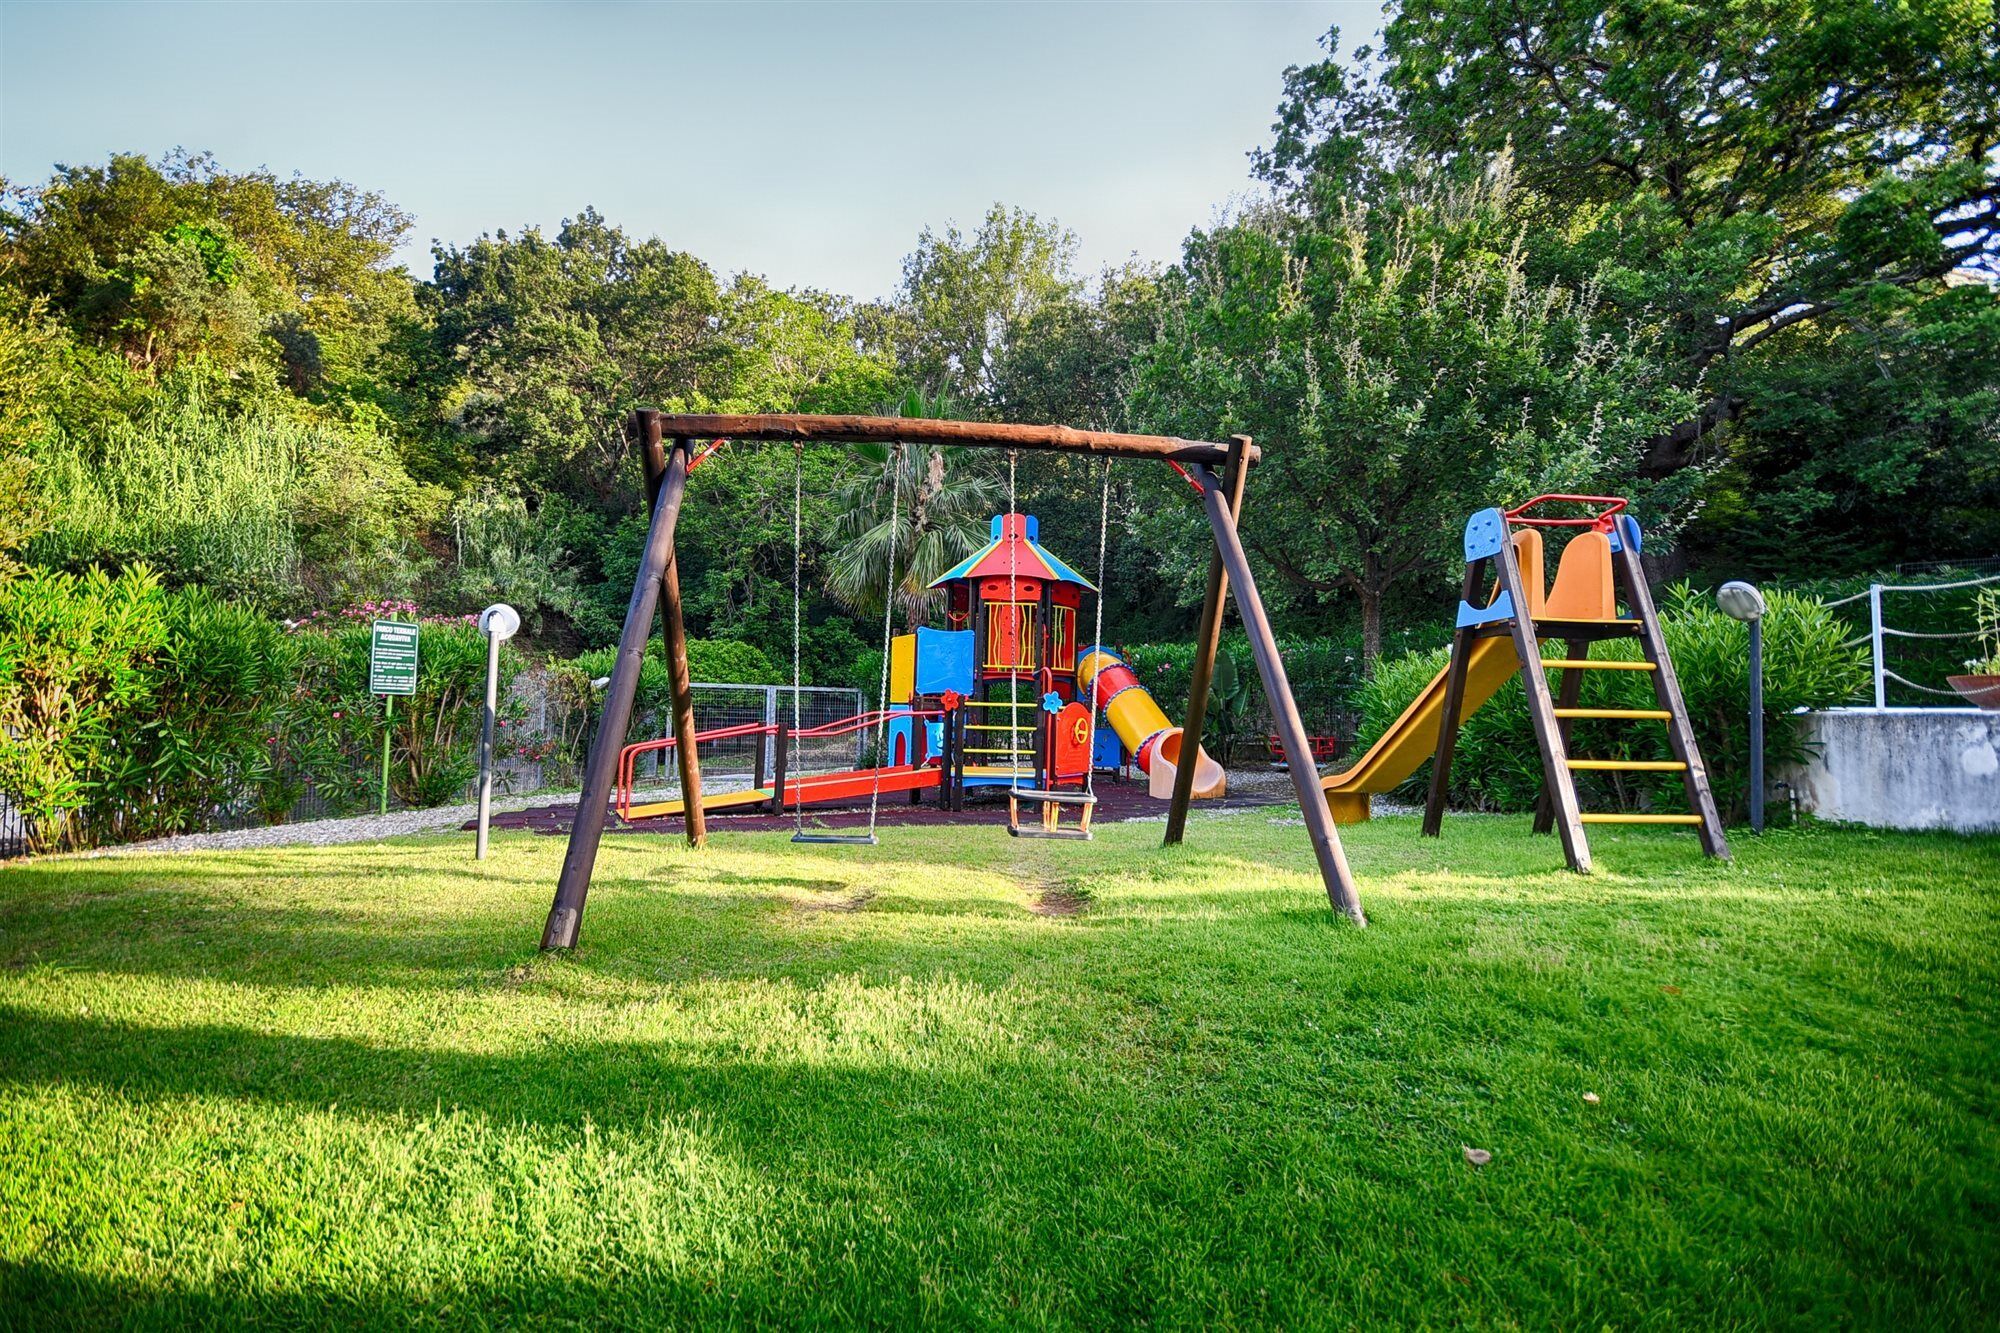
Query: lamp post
{"x": 1742, "y": 601}
{"x": 496, "y": 622}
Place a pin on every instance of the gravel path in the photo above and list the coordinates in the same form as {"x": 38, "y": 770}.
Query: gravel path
{"x": 328, "y": 832}
{"x": 443, "y": 818}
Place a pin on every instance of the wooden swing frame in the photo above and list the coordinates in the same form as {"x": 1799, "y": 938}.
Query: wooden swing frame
{"x": 666, "y": 452}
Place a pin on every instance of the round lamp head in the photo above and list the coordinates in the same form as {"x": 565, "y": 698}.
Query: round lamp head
{"x": 1740, "y": 601}
{"x": 500, "y": 620}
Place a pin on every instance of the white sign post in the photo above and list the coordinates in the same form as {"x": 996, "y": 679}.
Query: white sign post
{"x": 392, "y": 670}
{"x": 496, "y": 622}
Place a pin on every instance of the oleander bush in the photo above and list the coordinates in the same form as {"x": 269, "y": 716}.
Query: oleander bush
{"x": 130, "y": 710}
{"x": 335, "y": 726}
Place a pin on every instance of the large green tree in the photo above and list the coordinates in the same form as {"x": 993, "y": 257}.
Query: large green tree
{"x": 555, "y": 341}
{"x": 1778, "y": 186}
{"x": 964, "y": 297}
{"x": 1404, "y": 370}
{"x": 162, "y": 260}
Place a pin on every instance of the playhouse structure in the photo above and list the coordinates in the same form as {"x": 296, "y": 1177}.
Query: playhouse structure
{"x": 1000, "y": 696}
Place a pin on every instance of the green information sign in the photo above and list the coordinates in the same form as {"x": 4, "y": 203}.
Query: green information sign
{"x": 392, "y": 658}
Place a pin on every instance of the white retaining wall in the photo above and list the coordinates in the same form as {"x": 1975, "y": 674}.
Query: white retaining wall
{"x": 1905, "y": 768}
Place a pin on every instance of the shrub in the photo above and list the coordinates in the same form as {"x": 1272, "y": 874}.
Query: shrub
{"x": 506, "y": 554}
{"x": 726, "y": 662}
{"x": 75, "y": 654}
{"x": 221, "y": 681}
{"x": 252, "y": 503}
{"x": 129, "y": 711}
{"x": 1325, "y": 674}
{"x": 1496, "y": 765}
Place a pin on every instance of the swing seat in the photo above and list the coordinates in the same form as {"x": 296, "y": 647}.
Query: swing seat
{"x": 837, "y": 839}
{"x": 1052, "y": 803}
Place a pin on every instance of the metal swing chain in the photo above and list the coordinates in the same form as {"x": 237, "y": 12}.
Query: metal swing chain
{"x": 1097, "y": 633}
{"x": 1013, "y": 631}
{"x": 798, "y": 561}
{"x": 888, "y": 627}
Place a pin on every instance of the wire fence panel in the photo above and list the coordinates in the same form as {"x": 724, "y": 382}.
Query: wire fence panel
{"x": 734, "y": 762}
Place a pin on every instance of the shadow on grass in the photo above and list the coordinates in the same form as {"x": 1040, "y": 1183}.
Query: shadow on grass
{"x": 612, "y": 1084}
{"x": 39, "y": 1295}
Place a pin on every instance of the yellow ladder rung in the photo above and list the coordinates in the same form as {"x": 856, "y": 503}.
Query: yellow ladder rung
{"x": 975, "y": 749}
{"x": 1640, "y": 819}
{"x": 1596, "y": 664}
{"x": 1635, "y": 713}
{"x": 1629, "y": 765}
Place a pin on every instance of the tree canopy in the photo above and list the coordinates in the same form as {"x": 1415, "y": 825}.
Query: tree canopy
{"x": 1738, "y": 261}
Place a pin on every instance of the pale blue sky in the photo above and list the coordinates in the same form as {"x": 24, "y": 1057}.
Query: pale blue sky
{"x": 809, "y": 142}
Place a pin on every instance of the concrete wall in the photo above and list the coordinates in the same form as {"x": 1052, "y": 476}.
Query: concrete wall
{"x": 1909, "y": 768}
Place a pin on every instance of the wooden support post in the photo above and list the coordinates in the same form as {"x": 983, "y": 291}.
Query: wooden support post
{"x": 601, "y": 768}
{"x": 655, "y": 460}
{"x": 1207, "y": 640}
{"x": 1339, "y": 881}
{"x": 680, "y": 681}
{"x": 1567, "y": 696}
{"x": 1454, "y": 700}
{"x": 1667, "y": 689}
{"x": 780, "y": 756}
{"x": 1542, "y": 714}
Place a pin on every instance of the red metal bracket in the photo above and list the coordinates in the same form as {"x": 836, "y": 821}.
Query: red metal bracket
{"x": 1187, "y": 476}
{"x": 703, "y": 456}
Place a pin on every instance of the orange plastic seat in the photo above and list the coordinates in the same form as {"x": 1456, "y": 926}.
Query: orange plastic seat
{"x": 1583, "y": 588}
{"x": 1528, "y": 559}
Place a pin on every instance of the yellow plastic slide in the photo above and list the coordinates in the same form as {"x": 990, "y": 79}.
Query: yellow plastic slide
{"x": 1413, "y": 739}
{"x": 1138, "y": 720}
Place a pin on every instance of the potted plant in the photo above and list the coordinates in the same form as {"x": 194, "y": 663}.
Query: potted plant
{"x": 1981, "y": 683}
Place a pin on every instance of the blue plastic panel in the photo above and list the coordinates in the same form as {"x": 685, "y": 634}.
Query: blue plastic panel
{"x": 1470, "y": 615}
{"x": 1484, "y": 532}
{"x": 944, "y": 661}
{"x": 1625, "y": 532}
{"x": 1106, "y": 750}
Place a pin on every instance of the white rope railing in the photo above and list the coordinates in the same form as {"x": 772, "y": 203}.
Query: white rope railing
{"x": 1925, "y": 689}
{"x": 1880, "y": 632}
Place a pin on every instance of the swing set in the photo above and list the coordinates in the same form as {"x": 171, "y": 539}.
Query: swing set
{"x": 668, "y": 453}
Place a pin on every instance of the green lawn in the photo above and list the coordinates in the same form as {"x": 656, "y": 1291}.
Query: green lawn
{"x": 786, "y": 1085}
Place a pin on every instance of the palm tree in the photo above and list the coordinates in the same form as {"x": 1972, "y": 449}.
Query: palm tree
{"x": 943, "y": 497}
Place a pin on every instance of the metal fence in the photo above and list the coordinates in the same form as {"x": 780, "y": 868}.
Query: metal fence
{"x": 13, "y": 830}
{"x": 731, "y": 763}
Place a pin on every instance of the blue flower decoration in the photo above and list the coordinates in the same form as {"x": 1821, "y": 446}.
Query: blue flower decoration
{"x": 1052, "y": 702}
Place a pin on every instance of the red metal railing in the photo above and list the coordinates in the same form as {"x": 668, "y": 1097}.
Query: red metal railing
{"x": 1600, "y": 520}
{"x": 845, "y": 726}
